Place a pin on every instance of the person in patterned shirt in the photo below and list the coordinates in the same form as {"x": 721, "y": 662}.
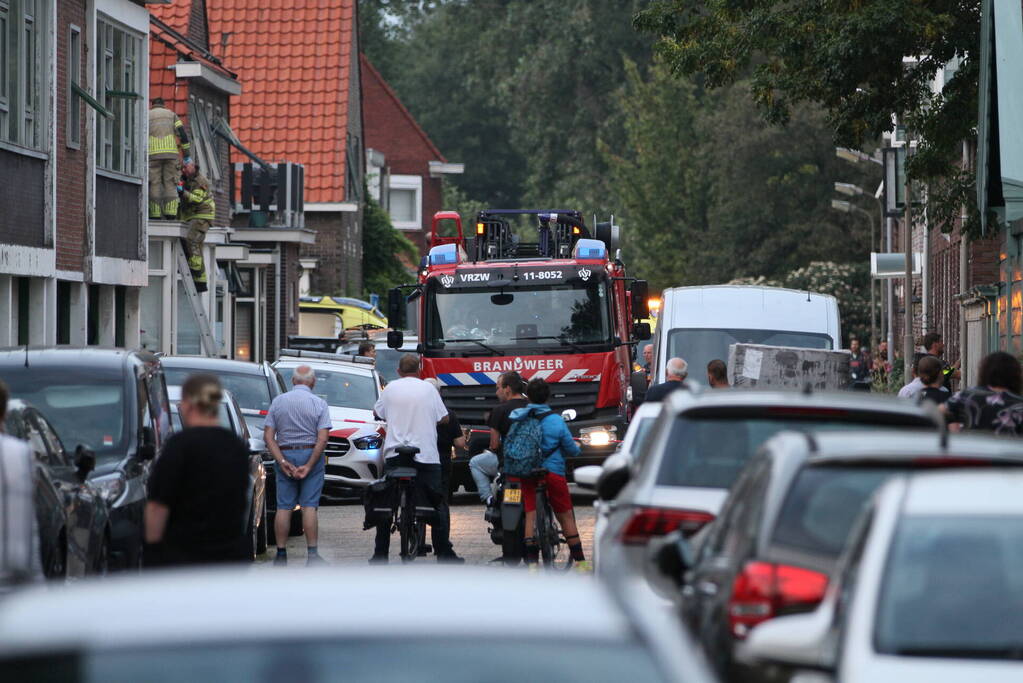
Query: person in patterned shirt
{"x": 996, "y": 405}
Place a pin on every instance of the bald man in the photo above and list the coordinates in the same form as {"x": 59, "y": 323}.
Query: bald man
{"x": 676, "y": 370}
{"x": 297, "y": 426}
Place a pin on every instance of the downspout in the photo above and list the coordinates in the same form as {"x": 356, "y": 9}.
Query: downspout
{"x": 277, "y": 304}
{"x": 964, "y": 280}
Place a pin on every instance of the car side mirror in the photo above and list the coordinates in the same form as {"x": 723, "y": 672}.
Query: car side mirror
{"x": 668, "y": 559}
{"x": 586, "y": 477}
{"x": 85, "y": 461}
{"x": 147, "y": 450}
{"x": 614, "y": 475}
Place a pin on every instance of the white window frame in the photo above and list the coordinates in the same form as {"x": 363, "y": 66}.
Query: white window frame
{"x": 119, "y": 144}
{"x": 409, "y": 182}
{"x": 73, "y": 135}
{"x": 22, "y": 103}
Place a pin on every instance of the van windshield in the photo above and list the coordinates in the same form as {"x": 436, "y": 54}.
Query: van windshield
{"x": 700, "y": 346}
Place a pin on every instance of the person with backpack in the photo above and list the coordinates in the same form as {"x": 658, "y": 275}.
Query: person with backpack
{"x": 539, "y": 437}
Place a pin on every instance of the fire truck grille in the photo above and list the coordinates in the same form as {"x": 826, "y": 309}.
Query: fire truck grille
{"x": 473, "y": 403}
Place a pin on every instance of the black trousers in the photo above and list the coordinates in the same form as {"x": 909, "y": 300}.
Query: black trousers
{"x": 429, "y": 479}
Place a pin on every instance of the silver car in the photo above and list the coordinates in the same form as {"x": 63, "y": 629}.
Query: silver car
{"x": 680, "y": 477}
{"x": 419, "y": 625}
{"x": 929, "y": 589}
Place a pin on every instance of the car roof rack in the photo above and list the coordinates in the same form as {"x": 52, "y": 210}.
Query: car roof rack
{"x": 345, "y": 357}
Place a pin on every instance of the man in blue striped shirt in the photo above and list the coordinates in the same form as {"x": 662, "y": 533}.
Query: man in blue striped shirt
{"x": 296, "y": 430}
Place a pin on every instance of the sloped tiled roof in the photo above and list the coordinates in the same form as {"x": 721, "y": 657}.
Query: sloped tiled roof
{"x": 294, "y": 59}
{"x": 174, "y": 15}
{"x": 371, "y": 77}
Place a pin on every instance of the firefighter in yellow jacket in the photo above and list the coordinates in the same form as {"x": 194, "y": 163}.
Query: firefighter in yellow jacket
{"x": 198, "y": 209}
{"x": 166, "y": 137}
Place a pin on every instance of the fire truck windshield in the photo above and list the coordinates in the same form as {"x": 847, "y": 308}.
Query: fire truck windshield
{"x": 502, "y": 319}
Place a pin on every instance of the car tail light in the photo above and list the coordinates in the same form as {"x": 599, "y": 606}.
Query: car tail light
{"x": 763, "y": 590}
{"x": 647, "y": 523}
{"x": 264, "y": 412}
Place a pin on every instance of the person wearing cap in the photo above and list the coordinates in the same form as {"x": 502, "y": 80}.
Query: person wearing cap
{"x": 296, "y": 431}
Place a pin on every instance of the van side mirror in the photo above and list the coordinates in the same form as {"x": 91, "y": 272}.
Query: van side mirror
{"x": 395, "y": 311}
{"x": 641, "y": 331}
{"x": 613, "y": 478}
{"x": 147, "y": 450}
{"x": 85, "y": 461}
{"x": 640, "y": 306}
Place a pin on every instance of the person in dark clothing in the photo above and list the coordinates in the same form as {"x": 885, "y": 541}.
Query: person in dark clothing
{"x": 449, "y": 437}
{"x": 860, "y": 364}
{"x": 929, "y": 370}
{"x": 996, "y": 405}
{"x": 484, "y": 466}
{"x": 935, "y": 346}
{"x": 676, "y": 370}
{"x": 198, "y": 505}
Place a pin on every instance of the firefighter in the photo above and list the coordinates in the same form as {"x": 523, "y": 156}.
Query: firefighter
{"x": 198, "y": 210}
{"x": 167, "y": 139}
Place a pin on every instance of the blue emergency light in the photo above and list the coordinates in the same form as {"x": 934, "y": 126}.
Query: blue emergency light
{"x": 444, "y": 255}
{"x": 590, "y": 249}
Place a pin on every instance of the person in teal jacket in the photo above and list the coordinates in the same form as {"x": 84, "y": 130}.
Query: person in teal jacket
{"x": 558, "y": 442}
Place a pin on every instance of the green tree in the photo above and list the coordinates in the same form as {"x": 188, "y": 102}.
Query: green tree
{"x": 849, "y": 283}
{"x": 846, "y": 57}
{"x": 388, "y": 257}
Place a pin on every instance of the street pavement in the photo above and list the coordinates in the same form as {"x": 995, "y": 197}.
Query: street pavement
{"x": 343, "y": 542}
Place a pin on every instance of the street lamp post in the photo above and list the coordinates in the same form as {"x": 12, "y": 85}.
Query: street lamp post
{"x": 848, "y": 207}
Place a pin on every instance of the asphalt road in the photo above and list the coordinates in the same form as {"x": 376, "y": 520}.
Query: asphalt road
{"x": 342, "y": 540}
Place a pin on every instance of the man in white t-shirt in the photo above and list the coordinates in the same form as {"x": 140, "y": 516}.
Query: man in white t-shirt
{"x": 413, "y": 409}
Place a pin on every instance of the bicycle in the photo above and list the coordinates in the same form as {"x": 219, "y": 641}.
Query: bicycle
{"x": 405, "y": 520}
{"x": 554, "y": 551}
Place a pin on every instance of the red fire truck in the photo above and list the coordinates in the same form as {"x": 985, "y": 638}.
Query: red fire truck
{"x": 560, "y": 308}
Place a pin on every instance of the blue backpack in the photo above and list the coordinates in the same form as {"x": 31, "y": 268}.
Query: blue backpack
{"x": 523, "y": 451}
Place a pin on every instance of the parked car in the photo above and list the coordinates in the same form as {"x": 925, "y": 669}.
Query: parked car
{"x": 387, "y": 358}
{"x": 350, "y": 386}
{"x": 231, "y": 419}
{"x": 928, "y": 589}
{"x": 111, "y": 401}
{"x": 634, "y": 442}
{"x": 788, "y": 517}
{"x": 697, "y": 447}
{"x": 254, "y": 385}
{"x": 421, "y": 626}
{"x": 699, "y": 323}
{"x": 72, "y": 517}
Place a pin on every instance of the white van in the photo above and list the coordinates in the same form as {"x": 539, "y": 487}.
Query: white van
{"x": 700, "y": 323}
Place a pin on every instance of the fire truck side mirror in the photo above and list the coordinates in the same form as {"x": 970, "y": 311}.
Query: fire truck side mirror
{"x": 640, "y": 307}
{"x": 641, "y": 331}
{"x": 396, "y": 309}
{"x": 395, "y": 339}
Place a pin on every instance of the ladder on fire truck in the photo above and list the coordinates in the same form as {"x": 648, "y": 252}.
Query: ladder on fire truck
{"x": 209, "y": 342}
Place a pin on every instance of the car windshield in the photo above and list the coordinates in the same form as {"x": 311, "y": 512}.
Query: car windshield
{"x": 311, "y": 661}
{"x": 708, "y": 451}
{"x": 821, "y": 506}
{"x": 952, "y": 588}
{"x": 700, "y": 346}
{"x": 547, "y": 315}
{"x": 85, "y": 405}
{"x": 340, "y": 389}
{"x": 250, "y": 390}
{"x": 387, "y": 363}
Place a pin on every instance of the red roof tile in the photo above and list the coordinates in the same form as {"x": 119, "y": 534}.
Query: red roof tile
{"x": 174, "y": 15}
{"x": 293, "y": 58}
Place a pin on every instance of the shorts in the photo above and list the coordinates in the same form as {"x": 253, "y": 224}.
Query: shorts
{"x": 557, "y": 493}
{"x": 304, "y": 492}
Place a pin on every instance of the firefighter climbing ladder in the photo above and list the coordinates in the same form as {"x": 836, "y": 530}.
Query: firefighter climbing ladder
{"x": 209, "y": 344}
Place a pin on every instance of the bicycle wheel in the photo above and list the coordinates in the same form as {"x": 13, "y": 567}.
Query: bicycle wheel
{"x": 407, "y": 528}
{"x": 543, "y": 528}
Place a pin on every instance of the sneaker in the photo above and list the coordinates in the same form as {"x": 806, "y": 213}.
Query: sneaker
{"x": 378, "y": 559}
{"x": 281, "y": 561}
{"x": 450, "y": 558}
{"x": 583, "y": 567}
{"x": 315, "y": 560}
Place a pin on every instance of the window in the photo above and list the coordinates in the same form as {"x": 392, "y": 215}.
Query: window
{"x": 118, "y": 83}
{"x": 63, "y": 312}
{"x": 22, "y": 72}
{"x": 151, "y": 312}
{"x": 74, "y": 75}
{"x": 405, "y": 202}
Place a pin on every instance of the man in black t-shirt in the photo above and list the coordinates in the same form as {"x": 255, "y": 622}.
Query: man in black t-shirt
{"x": 198, "y": 505}
{"x": 484, "y": 466}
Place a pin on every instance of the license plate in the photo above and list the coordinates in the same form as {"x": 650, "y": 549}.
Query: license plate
{"x": 513, "y": 495}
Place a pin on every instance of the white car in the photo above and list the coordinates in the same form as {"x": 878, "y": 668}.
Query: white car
{"x": 350, "y": 385}
{"x": 586, "y": 477}
{"x": 418, "y": 624}
{"x": 928, "y": 589}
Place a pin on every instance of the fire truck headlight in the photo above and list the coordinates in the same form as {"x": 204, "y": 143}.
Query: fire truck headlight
{"x": 598, "y": 436}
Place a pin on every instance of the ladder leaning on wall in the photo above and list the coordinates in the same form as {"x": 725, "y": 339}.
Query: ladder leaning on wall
{"x": 209, "y": 343}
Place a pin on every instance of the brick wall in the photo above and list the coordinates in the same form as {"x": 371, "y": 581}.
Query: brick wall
{"x": 334, "y": 265}
{"x": 278, "y": 329}
{"x": 71, "y": 163}
{"x": 198, "y": 30}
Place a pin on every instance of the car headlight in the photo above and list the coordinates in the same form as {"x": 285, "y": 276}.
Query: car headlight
{"x": 598, "y": 436}
{"x": 111, "y": 487}
{"x": 368, "y": 443}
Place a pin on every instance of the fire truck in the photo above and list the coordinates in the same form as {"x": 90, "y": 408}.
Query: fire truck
{"x": 559, "y": 308}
